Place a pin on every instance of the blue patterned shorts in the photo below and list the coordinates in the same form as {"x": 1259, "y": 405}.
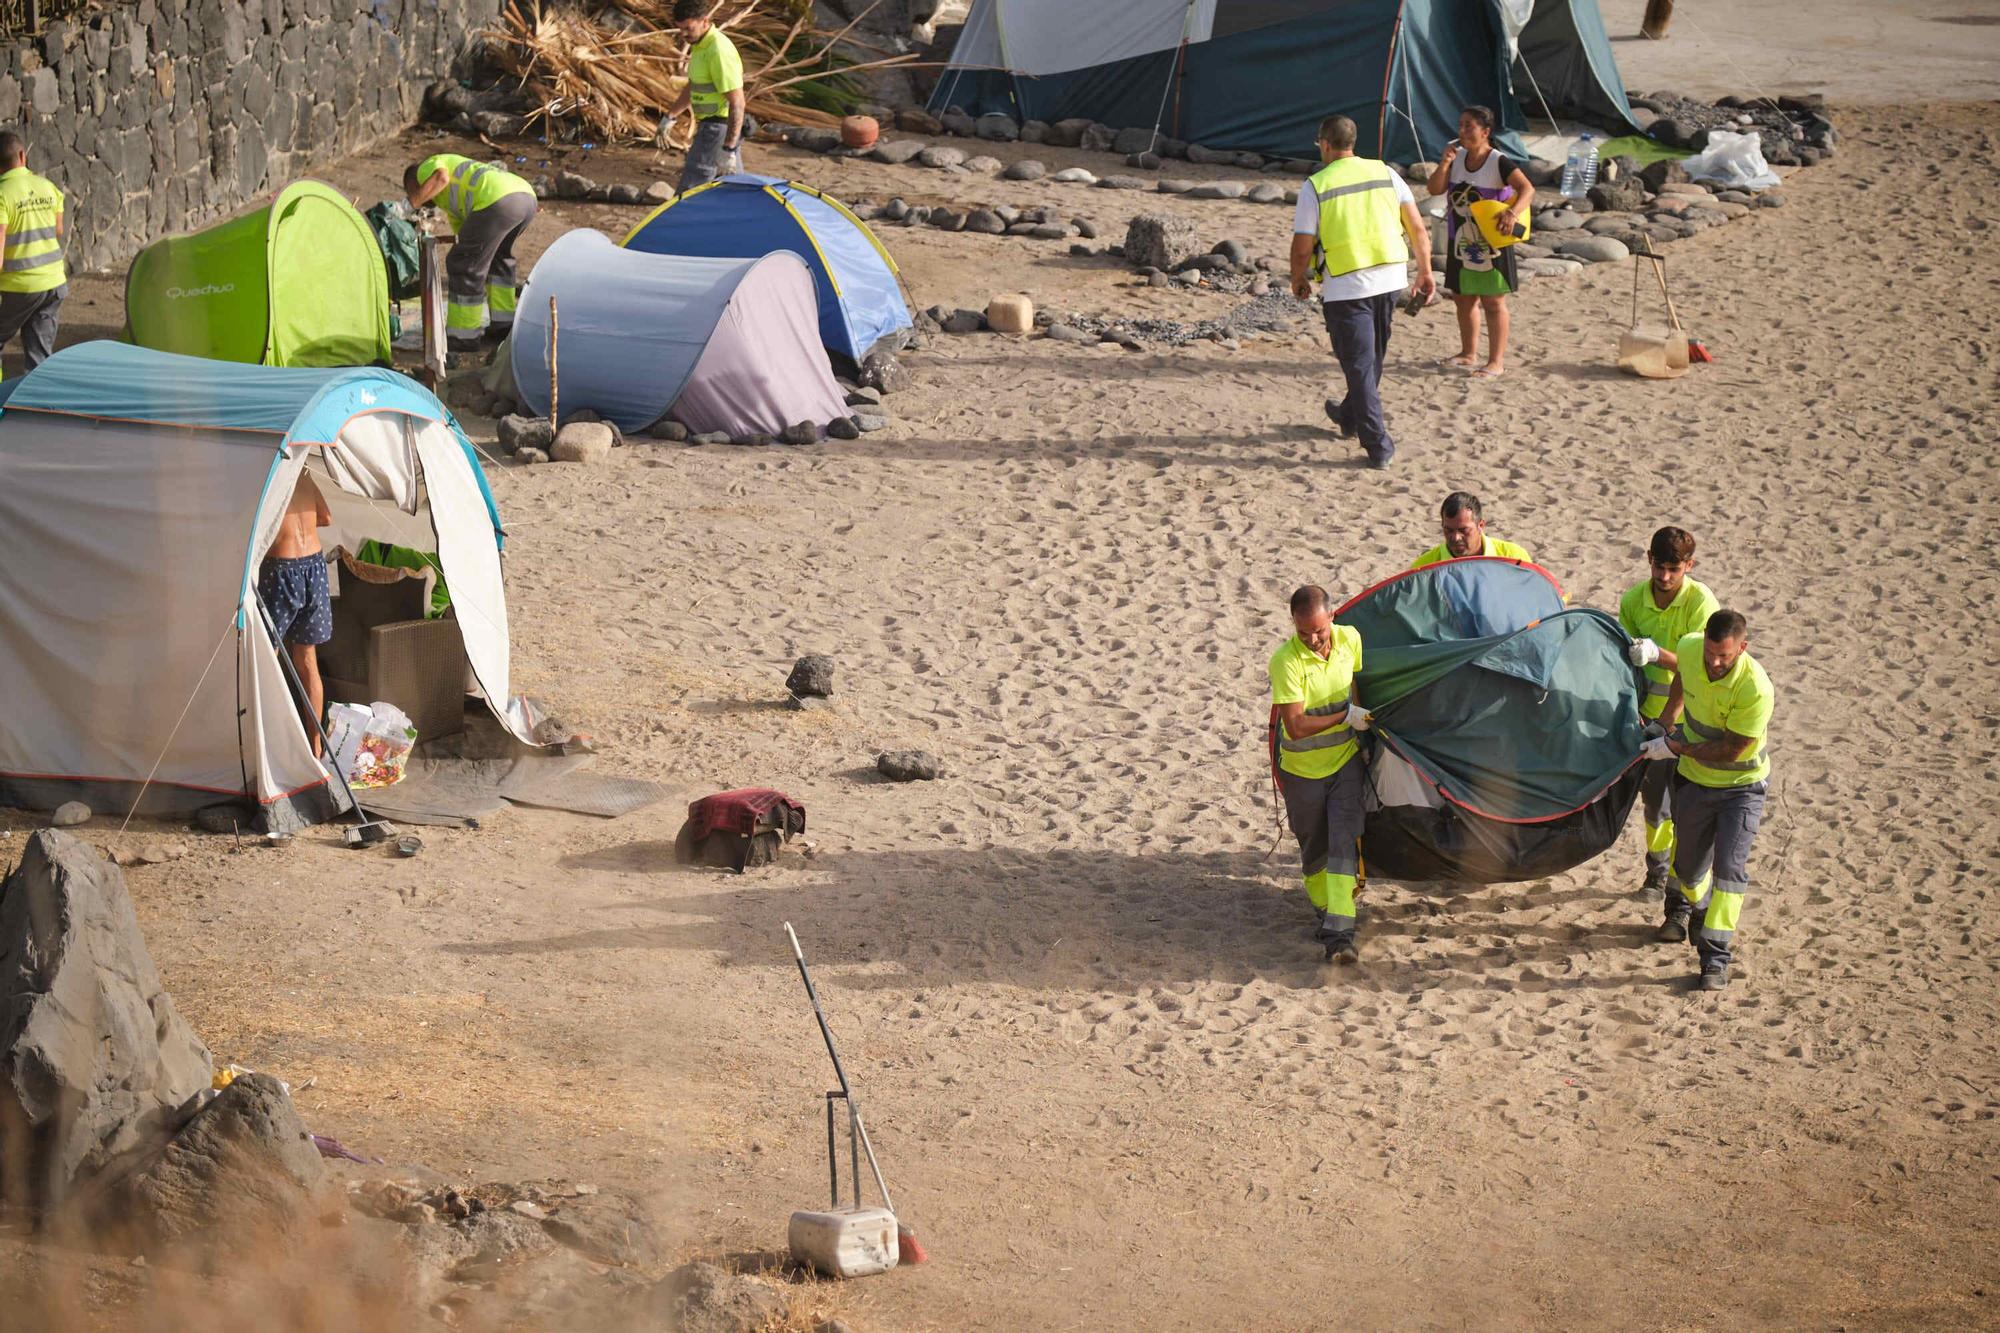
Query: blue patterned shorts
{"x": 295, "y": 593}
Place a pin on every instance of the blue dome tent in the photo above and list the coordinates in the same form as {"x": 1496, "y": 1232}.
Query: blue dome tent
{"x": 747, "y": 217}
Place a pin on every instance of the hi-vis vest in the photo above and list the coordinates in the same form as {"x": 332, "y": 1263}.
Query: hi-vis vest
{"x": 715, "y": 70}
{"x": 474, "y": 185}
{"x": 1360, "y": 220}
{"x": 1740, "y": 704}
{"x": 33, "y": 258}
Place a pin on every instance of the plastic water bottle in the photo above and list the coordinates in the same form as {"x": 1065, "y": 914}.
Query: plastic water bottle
{"x": 1580, "y": 172}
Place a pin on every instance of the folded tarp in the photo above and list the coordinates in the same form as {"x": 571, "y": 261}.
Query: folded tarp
{"x": 727, "y": 345}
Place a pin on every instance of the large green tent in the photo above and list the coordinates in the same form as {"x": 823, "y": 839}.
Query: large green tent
{"x": 1506, "y": 724}
{"x": 299, "y": 282}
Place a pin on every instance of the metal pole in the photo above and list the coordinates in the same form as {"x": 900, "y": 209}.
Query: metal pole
{"x": 859, "y": 1129}
{"x": 832, "y": 1153}
{"x": 291, "y": 672}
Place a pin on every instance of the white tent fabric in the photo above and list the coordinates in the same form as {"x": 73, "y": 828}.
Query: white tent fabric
{"x": 134, "y": 656}
{"x": 1056, "y": 36}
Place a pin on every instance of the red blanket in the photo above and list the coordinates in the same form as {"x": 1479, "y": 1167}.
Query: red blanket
{"x": 740, "y": 811}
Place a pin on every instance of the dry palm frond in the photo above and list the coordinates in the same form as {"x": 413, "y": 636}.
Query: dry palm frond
{"x": 617, "y": 81}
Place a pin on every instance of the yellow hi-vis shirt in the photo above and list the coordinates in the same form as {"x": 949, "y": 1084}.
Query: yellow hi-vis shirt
{"x": 1643, "y": 618}
{"x": 1324, "y": 685}
{"x": 1740, "y": 702}
{"x": 1494, "y": 547}
{"x": 714, "y": 71}
{"x": 31, "y": 207}
{"x": 474, "y": 185}
{"x": 1360, "y": 217}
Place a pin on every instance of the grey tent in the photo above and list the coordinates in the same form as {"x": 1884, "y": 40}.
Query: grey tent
{"x": 729, "y": 345}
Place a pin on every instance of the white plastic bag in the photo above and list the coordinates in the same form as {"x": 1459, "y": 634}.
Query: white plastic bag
{"x": 344, "y": 725}
{"x": 1734, "y": 161}
{"x": 385, "y": 747}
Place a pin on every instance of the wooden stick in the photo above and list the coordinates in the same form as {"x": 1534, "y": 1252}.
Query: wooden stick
{"x": 554, "y": 421}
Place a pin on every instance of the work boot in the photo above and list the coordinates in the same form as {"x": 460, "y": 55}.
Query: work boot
{"x": 1333, "y": 406}
{"x": 1674, "y": 929}
{"x": 1340, "y": 950}
{"x": 1654, "y": 889}
{"x": 1714, "y": 976}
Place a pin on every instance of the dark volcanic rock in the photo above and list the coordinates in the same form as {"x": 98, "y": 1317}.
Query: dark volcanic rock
{"x": 907, "y": 765}
{"x": 811, "y": 677}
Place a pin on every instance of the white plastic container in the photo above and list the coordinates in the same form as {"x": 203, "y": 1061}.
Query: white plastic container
{"x": 846, "y": 1242}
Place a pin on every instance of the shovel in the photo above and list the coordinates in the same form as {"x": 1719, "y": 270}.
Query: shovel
{"x": 1649, "y": 350}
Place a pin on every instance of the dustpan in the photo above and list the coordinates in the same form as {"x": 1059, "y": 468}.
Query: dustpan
{"x": 1653, "y": 351}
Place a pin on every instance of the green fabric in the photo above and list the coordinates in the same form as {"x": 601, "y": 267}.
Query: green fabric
{"x": 1452, "y": 699}
{"x": 373, "y": 552}
{"x": 1482, "y": 282}
{"x": 397, "y": 240}
{"x": 1643, "y": 150}
{"x": 298, "y": 283}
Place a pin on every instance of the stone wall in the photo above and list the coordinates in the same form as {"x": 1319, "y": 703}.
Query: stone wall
{"x": 158, "y": 116}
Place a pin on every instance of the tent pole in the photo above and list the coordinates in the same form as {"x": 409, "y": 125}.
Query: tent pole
{"x": 326, "y": 743}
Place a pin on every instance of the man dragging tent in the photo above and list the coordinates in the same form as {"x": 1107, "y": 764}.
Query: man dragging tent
{"x": 1315, "y": 717}
{"x": 714, "y": 91}
{"x": 1465, "y": 536}
{"x": 1355, "y": 229}
{"x": 1659, "y": 612}
{"x": 1718, "y": 785}
{"x": 292, "y": 585}
{"x": 488, "y": 210}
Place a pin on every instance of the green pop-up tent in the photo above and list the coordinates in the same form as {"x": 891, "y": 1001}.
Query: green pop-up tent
{"x": 1506, "y": 724}
{"x": 299, "y": 282}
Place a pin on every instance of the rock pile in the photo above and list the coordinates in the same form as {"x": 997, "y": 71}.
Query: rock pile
{"x": 1791, "y": 131}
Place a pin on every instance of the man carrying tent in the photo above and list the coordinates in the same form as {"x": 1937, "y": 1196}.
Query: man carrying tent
{"x": 1659, "y": 612}
{"x": 1465, "y": 535}
{"x": 1314, "y": 718}
{"x": 1718, "y": 785}
{"x": 715, "y": 92}
{"x": 292, "y": 586}
{"x": 1355, "y": 229}
{"x": 488, "y": 210}
{"x": 33, "y": 281}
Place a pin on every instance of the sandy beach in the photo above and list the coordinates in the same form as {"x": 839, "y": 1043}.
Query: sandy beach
{"x": 1111, "y": 1081}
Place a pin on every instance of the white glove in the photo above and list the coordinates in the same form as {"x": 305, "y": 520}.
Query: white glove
{"x": 1357, "y": 716}
{"x": 1656, "y": 749}
{"x": 1643, "y": 653}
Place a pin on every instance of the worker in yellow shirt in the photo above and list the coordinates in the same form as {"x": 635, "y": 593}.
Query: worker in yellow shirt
{"x": 488, "y": 208}
{"x": 33, "y": 280}
{"x": 1658, "y": 612}
{"x": 1465, "y": 535}
{"x": 1718, "y": 786}
{"x": 715, "y": 94}
{"x": 1315, "y": 720}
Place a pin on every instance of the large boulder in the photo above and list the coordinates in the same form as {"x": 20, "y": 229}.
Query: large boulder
{"x": 244, "y": 1166}
{"x": 998, "y": 127}
{"x": 96, "y": 1068}
{"x": 1138, "y": 139}
{"x": 1161, "y": 240}
{"x": 1593, "y": 249}
{"x": 582, "y": 442}
{"x": 1657, "y": 175}
{"x": 1624, "y": 195}
{"x": 1066, "y": 133}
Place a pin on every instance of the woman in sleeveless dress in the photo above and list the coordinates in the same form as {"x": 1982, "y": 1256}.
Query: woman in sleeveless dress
{"x": 1479, "y": 277}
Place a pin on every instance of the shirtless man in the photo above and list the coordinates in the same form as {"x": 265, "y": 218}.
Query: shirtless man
{"x": 292, "y": 585}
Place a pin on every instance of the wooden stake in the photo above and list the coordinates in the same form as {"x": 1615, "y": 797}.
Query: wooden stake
{"x": 554, "y": 421}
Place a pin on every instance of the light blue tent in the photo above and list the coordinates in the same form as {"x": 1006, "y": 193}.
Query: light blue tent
{"x": 725, "y": 345}
{"x": 139, "y": 493}
{"x": 743, "y": 217}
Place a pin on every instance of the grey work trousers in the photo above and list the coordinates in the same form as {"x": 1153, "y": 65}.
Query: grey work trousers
{"x": 33, "y": 315}
{"x": 1326, "y": 817}
{"x": 1713, "y": 830}
{"x": 706, "y": 158}
{"x": 480, "y": 265}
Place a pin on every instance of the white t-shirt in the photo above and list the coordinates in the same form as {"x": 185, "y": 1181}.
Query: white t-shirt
{"x": 1363, "y": 281}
